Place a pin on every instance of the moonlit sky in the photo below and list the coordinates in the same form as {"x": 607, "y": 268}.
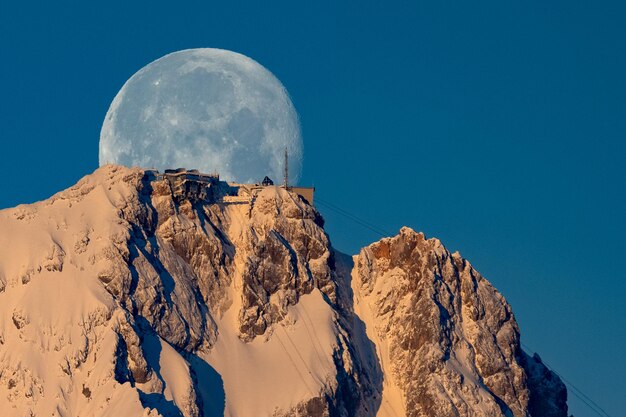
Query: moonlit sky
{"x": 498, "y": 127}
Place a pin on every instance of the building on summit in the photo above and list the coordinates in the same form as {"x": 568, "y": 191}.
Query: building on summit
{"x": 196, "y": 186}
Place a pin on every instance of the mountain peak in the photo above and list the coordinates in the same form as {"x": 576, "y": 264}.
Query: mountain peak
{"x": 139, "y": 294}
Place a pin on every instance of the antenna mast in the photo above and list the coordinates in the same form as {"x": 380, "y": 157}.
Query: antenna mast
{"x": 286, "y": 169}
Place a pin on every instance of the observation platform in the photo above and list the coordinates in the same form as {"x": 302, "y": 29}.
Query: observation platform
{"x": 194, "y": 185}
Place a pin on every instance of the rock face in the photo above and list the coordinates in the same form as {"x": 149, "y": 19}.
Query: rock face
{"x": 448, "y": 338}
{"x": 118, "y": 297}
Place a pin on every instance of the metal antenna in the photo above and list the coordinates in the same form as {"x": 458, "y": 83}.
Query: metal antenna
{"x": 286, "y": 169}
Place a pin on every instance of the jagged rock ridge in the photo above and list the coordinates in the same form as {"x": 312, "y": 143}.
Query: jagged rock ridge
{"x": 119, "y": 297}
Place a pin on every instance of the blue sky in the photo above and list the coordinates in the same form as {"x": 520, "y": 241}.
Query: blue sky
{"x": 498, "y": 127}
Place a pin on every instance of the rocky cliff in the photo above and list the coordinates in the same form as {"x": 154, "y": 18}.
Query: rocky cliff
{"x": 448, "y": 341}
{"x": 118, "y": 297}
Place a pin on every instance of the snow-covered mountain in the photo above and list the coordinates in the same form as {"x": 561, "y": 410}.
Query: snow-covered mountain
{"x": 121, "y": 297}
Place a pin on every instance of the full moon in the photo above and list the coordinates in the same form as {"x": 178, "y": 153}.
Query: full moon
{"x": 208, "y": 109}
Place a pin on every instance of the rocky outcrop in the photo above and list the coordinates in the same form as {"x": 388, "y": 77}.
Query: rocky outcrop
{"x": 119, "y": 296}
{"x": 451, "y": 341}
{"x": 287, "y": 256}
{"x": 548, "y": 395}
